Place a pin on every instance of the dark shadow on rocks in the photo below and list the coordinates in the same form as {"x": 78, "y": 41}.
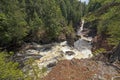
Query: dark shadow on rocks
{"x": 69, "y": 53}
{"x": 71, "y": 38}
{"x": 50, "y": 65}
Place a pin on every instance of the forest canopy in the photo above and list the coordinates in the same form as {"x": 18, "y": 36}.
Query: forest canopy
{"x": 35, "y": 20}
{"x": 105, "y": 16}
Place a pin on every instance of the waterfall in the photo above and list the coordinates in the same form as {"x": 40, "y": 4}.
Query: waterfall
{"x": 81, "y": 28}
{"x": 83, "y": 44}
{"x": 79, "y": 32}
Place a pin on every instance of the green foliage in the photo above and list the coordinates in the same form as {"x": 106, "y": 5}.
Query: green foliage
{"x": 98, "y": 51}
{"x": 12, "y": 22}
{"x": 93, "y": 5}
{"x": 69, "y": 29}
{"x": 35, "y": 20}
{"x": 4, "y": 36}
{"x": 72, "y": 10}
{"x": 90, "y": 17}
{"x": 44, "y": 15}
{"x": 33, "y": 72}
{"x": 8, "y": 69}
{"x": 52, "y": 19}
{"x": 107, "y": 16}
{"x": 114, "y": 32}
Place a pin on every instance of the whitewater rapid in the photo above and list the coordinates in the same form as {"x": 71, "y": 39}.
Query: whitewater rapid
{"x": 49, "y": 54}
{"x": 83, "y": 44}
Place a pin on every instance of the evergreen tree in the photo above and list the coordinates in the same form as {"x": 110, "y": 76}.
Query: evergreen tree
{"x": 13, "y": 25}
{"x": 107, "y": 15}
{"x": 8, "y": 69}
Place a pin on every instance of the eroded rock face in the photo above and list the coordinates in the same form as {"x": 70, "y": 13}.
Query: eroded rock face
{"x": 83, "y": 69}
{"x": 96, "y": 68}
{"x": 100, "y": 41}
{"x": 84, "y": 47}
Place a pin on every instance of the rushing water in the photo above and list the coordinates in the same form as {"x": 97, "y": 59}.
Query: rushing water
{"x": 83, "y": 44}
{"x": 48, "y": 55}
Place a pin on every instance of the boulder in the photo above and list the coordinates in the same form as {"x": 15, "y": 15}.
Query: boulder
{"x": 69, "y": 53}
{"x": 50, "y": 65}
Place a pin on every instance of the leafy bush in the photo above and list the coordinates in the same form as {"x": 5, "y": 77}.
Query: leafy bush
{"x": 32, "y": 70}
{"x": 8, "y": 69}
{"x": 98, "y": 51}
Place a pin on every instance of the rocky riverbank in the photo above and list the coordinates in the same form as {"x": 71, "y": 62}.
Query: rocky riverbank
{"x": 105, "y": 66}
{"x": 83, "y": 69}
{"x": 50, "y": 54}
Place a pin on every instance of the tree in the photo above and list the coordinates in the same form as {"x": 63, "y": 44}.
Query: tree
{"x": 35, "y": 20}
{"x": 32, "y": 70}
{"x": 52, "y": 18}
{"x": 8, "y": 69}
{"x": 107, "y": 16}
{"x": 13, "y": 25}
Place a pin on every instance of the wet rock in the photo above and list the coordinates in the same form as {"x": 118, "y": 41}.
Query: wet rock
{"x": 63, "y": 43}
{"x": 51, "y": 65}
{"x": 46, "y": 48}
{"x": 82, "y": 44}
{"x": 49, "y": 54}
{"x": 69, "y": 53}
{"x": 31, "y": 51}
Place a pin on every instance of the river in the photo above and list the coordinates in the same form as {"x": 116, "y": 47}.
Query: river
{"x": 49, "y": 54}
{"x": 84, "y": 43}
